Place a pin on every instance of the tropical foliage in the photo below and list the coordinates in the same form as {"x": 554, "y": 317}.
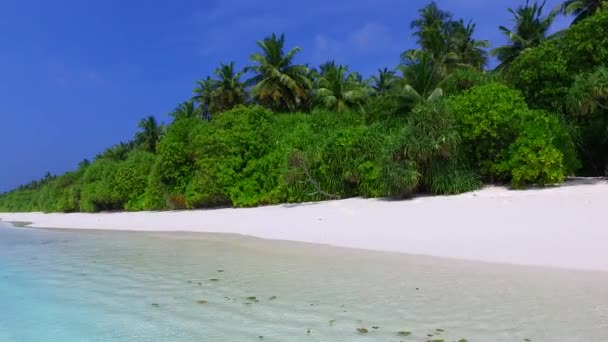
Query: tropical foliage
{"x": 582, "y": 9}
{"x": 338, "y": 90}
{"x": 439, "y": 122}
{"x": 531, "y": 28}
{"x": 278, "y": 83}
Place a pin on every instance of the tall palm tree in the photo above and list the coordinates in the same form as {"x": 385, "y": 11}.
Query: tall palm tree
{"x": 185, "y": 110}
{"x": 582, "y": 9}
{"x": 278, "y": 82}
{"x": 469, "y": 51}
{"x": 449, "y": 42}
{"x": 149, "y": 134}
{"x": 431, "y": 29}
{"x": 385, "y": 81}
{"x": 203, "y": 92}
{"x": 531, "y": 28}
{"x": 229, "y": 90}
{"x": 338, "y": 90}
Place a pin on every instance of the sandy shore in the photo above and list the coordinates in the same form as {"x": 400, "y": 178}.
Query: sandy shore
{"x": 564, "y": 226}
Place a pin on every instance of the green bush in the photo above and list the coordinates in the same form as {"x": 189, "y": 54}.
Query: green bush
{"x": 176, "y": 155}
{"x": 131, "y": 179}
{"x": 585, "y": 44}
{"x": 231, "y": 160}
{"x": 544, "y": 153}
{"x": 503, "y": 138}
{"x": 62, "y": 194}
{"x": 98, "y": 187}
{"x": 545, "y": 73}
{"x": 544, "y": 85}
{"x": 489, "y": 119}
{"x": 531, "y": 160}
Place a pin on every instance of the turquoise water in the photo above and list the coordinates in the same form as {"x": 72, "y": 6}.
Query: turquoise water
{"x": 59, "y": 285}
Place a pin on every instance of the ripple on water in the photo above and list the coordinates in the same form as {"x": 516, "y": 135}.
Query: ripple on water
{"x": 133, "y": 286}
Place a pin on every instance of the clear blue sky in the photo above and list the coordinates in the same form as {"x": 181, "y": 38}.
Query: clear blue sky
{"x": 76, "y": 76}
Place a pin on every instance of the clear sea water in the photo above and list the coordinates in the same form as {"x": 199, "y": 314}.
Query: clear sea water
{"x": 59, "y": 285}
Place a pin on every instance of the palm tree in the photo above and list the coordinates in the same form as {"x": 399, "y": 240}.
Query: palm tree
{"x": 530, "y": 30}
{"x": 185, "y": 110}
{"x": 420, "y": 78}
{"x": 431, "y": 29}
{"x": 229, "y": 90}
{"x": 581, "y": 9}
{"x": 278, "y": 82}
{"x": 468, "y": 50}
{"x": 203, "y": 92}
{"x": 589, "y": 92}
{"x": 150, "y": 133}
{"x": 84, "y": 163}
{"x": 118, "y": 152}
{"x": 385, "y": 81}
{"x": 450, "y": 43}
{"x": 338, "y": 90}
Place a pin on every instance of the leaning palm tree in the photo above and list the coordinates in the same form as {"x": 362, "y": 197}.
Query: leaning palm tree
{"x": 339, "y": 91}
{"x": 150, "y": 133}
{"x": 589, "y": 93}
{"x": 229, "y": 90}
{"x": 278, "y": 82}
{"x": 582, "y": 9}
{"x": 185, "y": 110}
{"x": 531, "y": 28}
{"x": 385, "y": 81}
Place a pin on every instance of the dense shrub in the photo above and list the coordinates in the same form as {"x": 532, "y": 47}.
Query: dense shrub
{"x": 98, "y": 187}
{"x": 176, "y": 156}
{"x": 533, "y": 160}
{"x": 543, "y": 153}
{"x": 509, "y": 142}
{"x": 545, "y": 73}
{"x": 232, "y": 166}
{"x": 489, "y": 117}
{"x": 62, "y": 194}
{"x": 131, "y": 179}
{"x": 19, "y": 200}
{"x": 546, "y": 84}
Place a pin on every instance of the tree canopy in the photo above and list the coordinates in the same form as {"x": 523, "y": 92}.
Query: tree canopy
{"x": 440, "y": 122}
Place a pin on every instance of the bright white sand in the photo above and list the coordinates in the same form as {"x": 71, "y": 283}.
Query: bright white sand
{"x": 564, "y": 226}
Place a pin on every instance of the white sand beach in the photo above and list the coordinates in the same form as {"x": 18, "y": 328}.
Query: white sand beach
{"x": 564, "y": 226}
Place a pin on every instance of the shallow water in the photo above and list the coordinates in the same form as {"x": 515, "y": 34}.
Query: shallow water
{"x": 59, "y": 285}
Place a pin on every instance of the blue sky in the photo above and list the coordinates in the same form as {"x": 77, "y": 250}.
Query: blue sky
{"x": 76, "y": 76}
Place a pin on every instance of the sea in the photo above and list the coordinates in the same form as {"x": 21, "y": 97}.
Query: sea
{"x": 73, "y": 285}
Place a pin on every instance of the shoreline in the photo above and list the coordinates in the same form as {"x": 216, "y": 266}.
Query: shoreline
{"x": 563, "y": 227}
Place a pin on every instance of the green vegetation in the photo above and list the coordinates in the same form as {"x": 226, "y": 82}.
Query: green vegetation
{"x": 277, "y": 131}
